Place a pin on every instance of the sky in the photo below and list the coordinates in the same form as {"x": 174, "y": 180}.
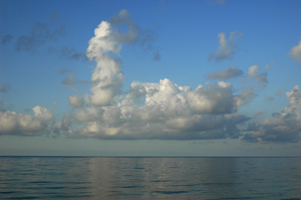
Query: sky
{"x": 150, "y": 78}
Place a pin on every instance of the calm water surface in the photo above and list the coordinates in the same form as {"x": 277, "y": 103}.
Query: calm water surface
{"x": 149, "y": 178}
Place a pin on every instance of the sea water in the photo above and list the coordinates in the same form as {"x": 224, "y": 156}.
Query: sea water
{"x": 150, "y": 178}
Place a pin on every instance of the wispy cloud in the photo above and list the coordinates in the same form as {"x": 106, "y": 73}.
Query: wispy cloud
{"x": 6, "y": 39}
{"x": 69, "y": 53}
{"x": 231, "y": 72}
{"x": 71, "y": 82}
{"x": 269, "y": 98}
{"x": 40, "y": 34}
{"x": 4, "y": 87}
{"x": 63, "y": 71}
{"x": 279, "y": 92}
{"x": 260, "y": 78}
{"x": 226, "y": 49}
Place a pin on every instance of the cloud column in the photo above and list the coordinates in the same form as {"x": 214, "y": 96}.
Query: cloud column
{"x": 107, "y": 77}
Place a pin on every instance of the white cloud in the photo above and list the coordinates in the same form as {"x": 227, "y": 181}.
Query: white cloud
{"x": 166, "y": 111}
{"x": 296, "y": 52}
{"x": 76, "y": 101}
{"x": 12, "y": 123}
{"x": 226, "y": 49}
{"x": 231, "y": 72}
{"x": 107, "y": 77}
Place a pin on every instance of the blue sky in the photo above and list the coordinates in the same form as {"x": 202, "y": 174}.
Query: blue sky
{"x": 155, "y": 78}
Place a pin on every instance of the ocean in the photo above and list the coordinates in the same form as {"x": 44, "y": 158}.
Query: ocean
{"x": 23, "y": 177}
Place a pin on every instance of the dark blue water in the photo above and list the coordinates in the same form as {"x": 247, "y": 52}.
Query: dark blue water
{"x": 149, "y": 178}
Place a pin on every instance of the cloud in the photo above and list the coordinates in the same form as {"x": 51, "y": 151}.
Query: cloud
{"x": 6, "y": 39}
{"x": 278, "y": 93}
{"x": 76, "y": 101}
{"x": 63, "y": 71}
{"x": 40, "y": 34}
{"x": 70, "y": 81}
{"x": 294, "y": 98}
{"x": 246, "y": 96}
{"x": 157, "y": 56}
{"x": 231, "y": 72}
{"x": 285, "y": 127}
{"x": 296, "y": 52}
{"x": 267, "y": 67}
{"x": 161, "y": 110}
{"x": 4, "y": 87}
{"x": 220, "y": 2}
{"x": 107, "y": 77}
{"x": 2, "y": 109}
{"x": 88, "y": 114}
{"x": 253, "y": 70}
{"x": 261, "y": 78}
{"x": 258, "y": 114}
{"x": 226, "y": 49}
{"x": 69, "y": 53}
{"x": 168, "y": 111}
{"x": 158, "y": 110}
{"x": 63, "y": 124}
{"x": 12, "y": 123}
{"x": 132, "y": 34}
{"x": 269, "y": 98}
{"x": 54, "y": 16}
{"x": 216, "y": 2}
